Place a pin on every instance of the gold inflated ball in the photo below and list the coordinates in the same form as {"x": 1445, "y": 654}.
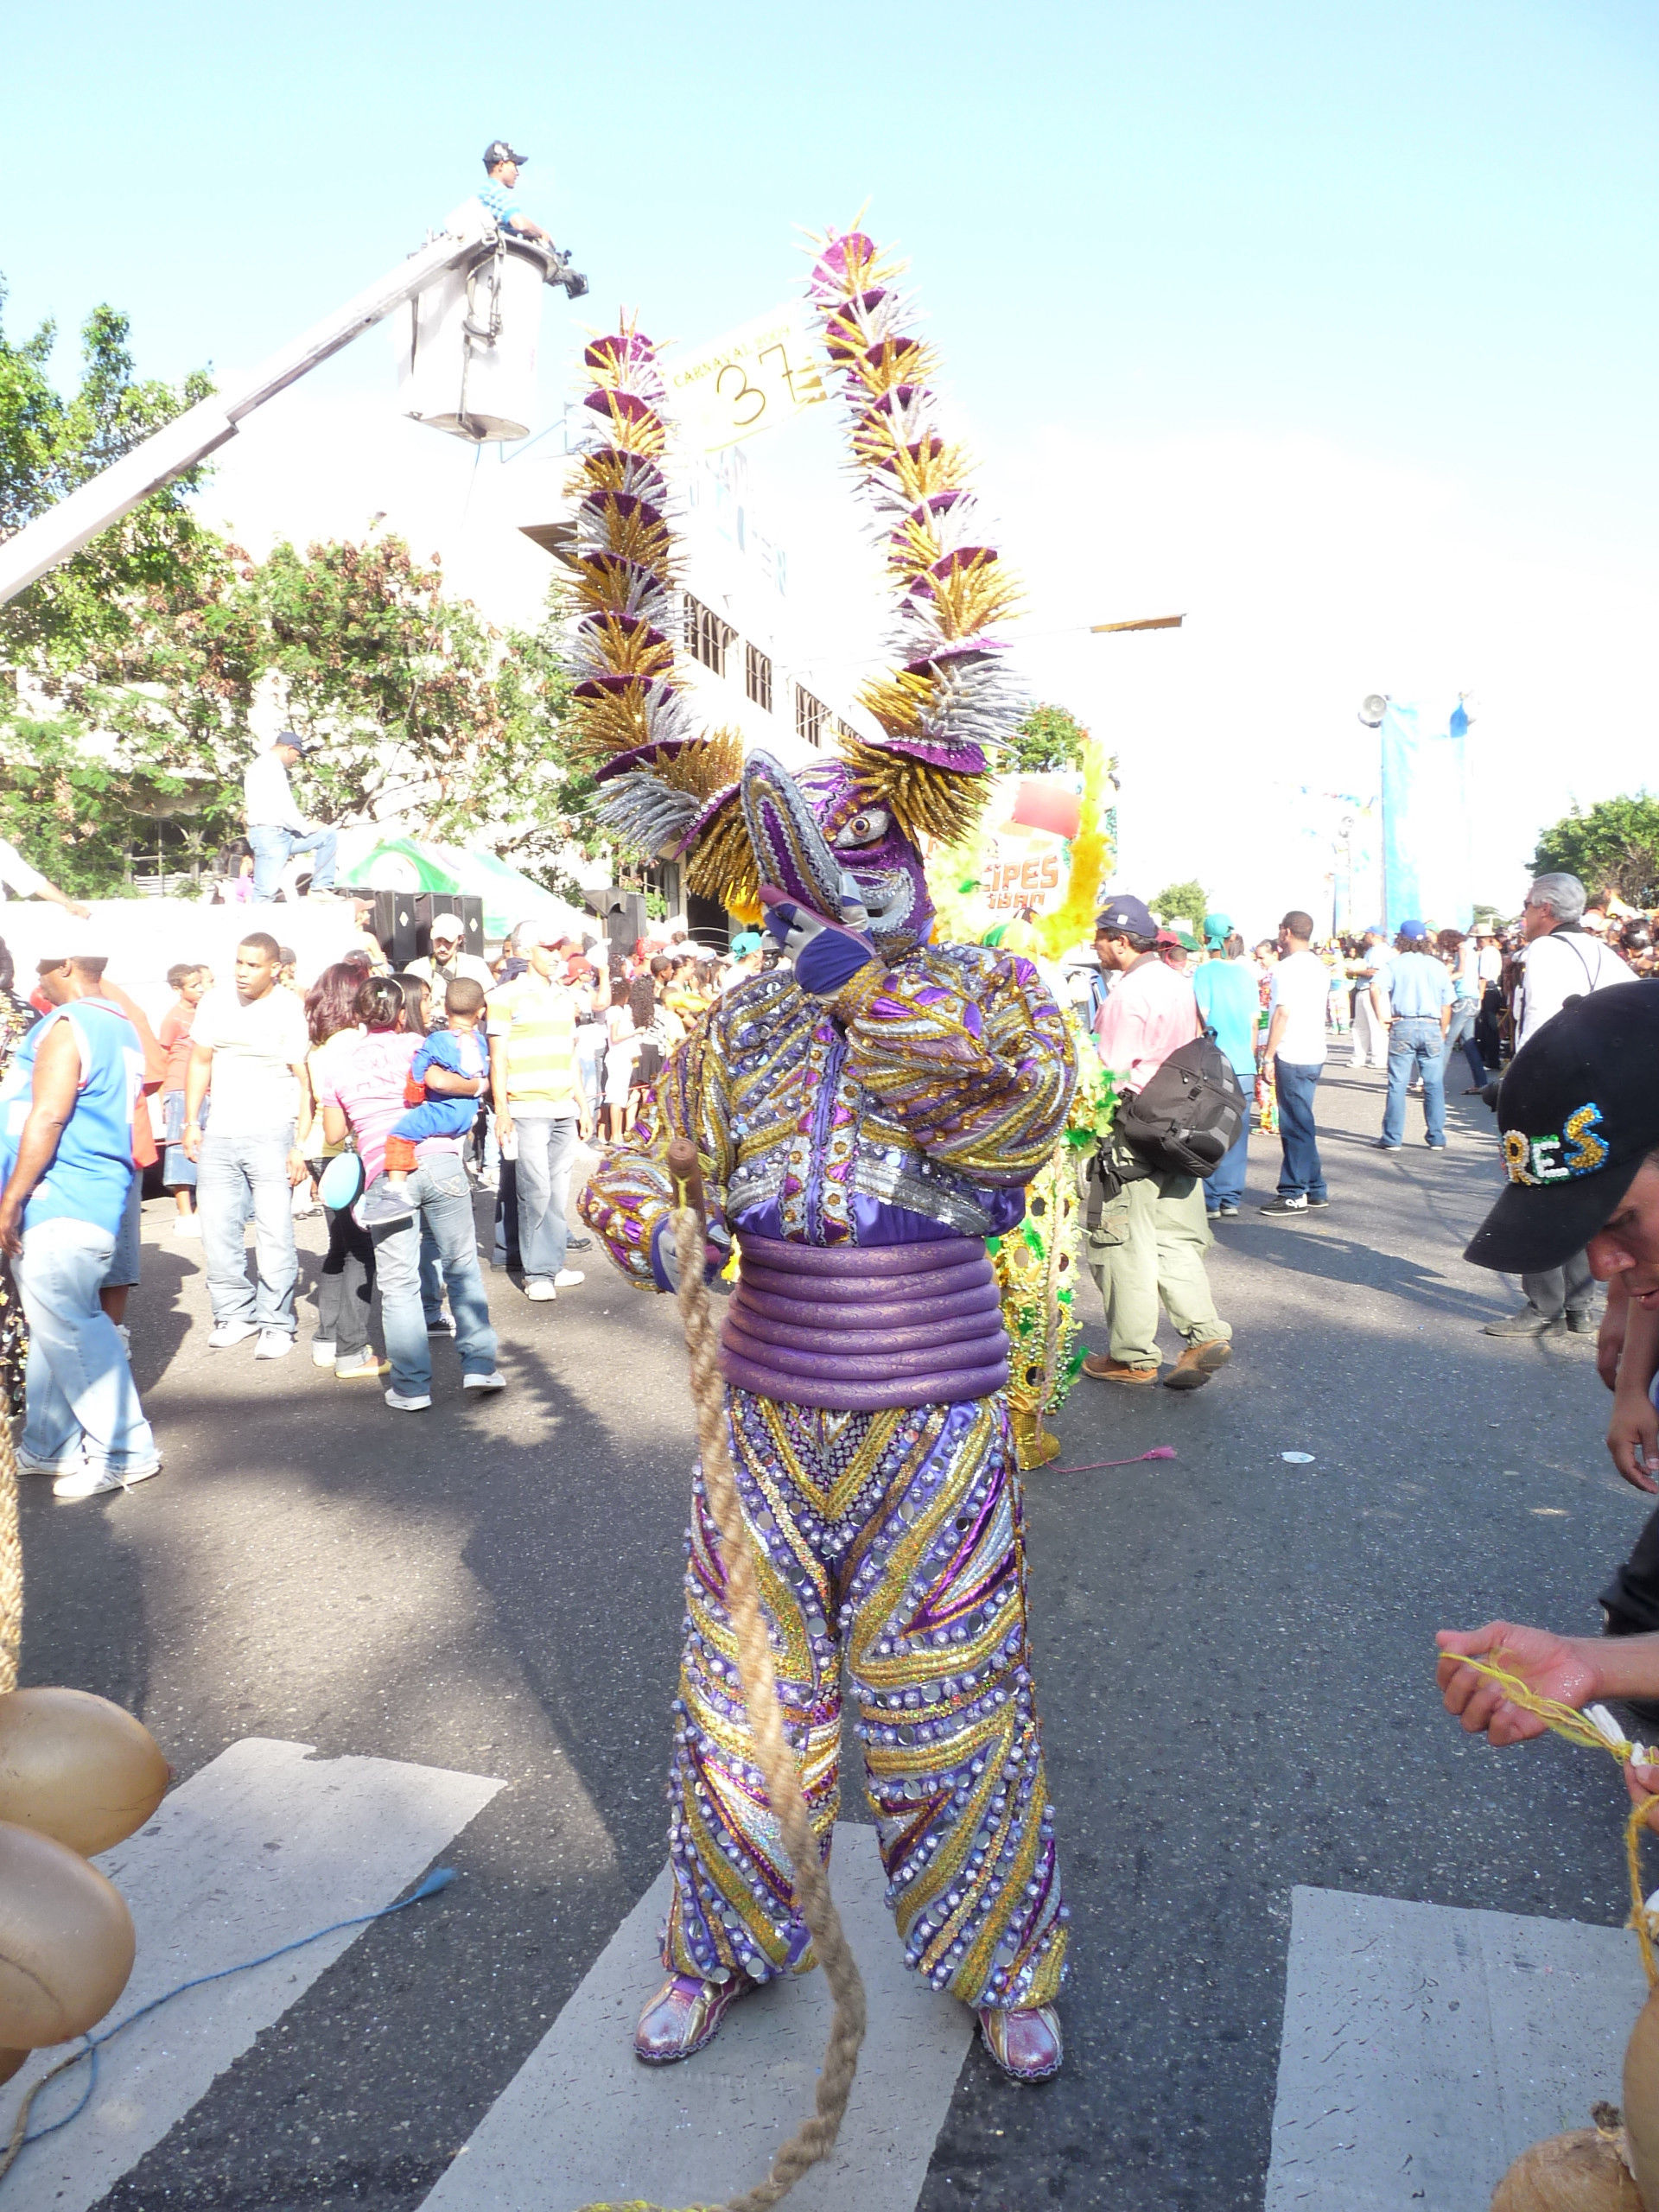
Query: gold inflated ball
{"x": 76, "y": 1767}
{"x": 1581, "y": 2173}
{"x": 65, "y": 1941}
{"x": 1641, "y": 2099}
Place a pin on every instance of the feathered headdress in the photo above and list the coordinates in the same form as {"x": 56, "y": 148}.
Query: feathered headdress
{"x": 672, "y": 792}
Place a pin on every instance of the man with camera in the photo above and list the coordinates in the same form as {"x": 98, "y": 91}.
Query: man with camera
{"x": 1146, "y": 1238}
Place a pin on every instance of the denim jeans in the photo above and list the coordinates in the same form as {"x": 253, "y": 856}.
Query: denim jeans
{"x": 346, "y": 1287}
{"x": 1301, "y": 1176}
{"x": 273, "y": 849}
{"x": 547, "y": 1152}
{"x": 1228, "y": 1181}
{"x": 1414, "y": 1041}
{"x": 440, "y": 1191}
{"x": 79, "y": 1386}
{"x": 1465, "y": 1013}
{"x": 237, "y": 1177}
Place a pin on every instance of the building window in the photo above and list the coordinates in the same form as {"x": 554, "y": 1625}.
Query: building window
{"x": 757, "y": 675}
{"x": 813, "y": 717}
{"x": 706, "y": 637}
{"x": 845, "y": 734}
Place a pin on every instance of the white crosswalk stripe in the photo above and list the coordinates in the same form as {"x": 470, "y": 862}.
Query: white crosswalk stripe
{"x": 583, "y": 2122}
{"x": 263, "y": 1845}
{"x": 1425, "y": 2047}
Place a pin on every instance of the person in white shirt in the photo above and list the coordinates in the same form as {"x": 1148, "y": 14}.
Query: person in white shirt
{"x": 248, "y": 1047}
{"x": 19, "y": 880}
{"x": 276, "y": 828}
{"x": 1561, "y": 960}
{"x": 1295, "y": 1045}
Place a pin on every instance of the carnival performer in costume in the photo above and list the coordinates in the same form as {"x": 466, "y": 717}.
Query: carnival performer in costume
{"x": 863, "y": 1122}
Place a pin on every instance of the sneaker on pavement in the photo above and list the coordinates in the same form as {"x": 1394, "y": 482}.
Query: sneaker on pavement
{"x": 1384, "y": 1144}
{"x": 364, "y": 1366}
{"x": 87, "y": 1481}
{"x": 1227, "y": 1211}
{"x": 491, "y": 1381}
{"x": 1284, "y": 1205}
{"x": 444, "y": 1326}
{"x": 403, "y": 1405}
{"x": 231, "y": 1333}
{"x": 274, "y": 1343}
{"x": 568, "y": 1277}
{"x": 1100, "y": 1367}
{"x": 1435, "y": 1144}
{"x": 322, "y": 1352}
{"x": 1314, "y": 1202}
{"x": 188, "y": 1224}
{"x": 575, "y": 1244}
{"x": 540, "y": 1288}
{"x": 1529, "y": 1322}
{"x": 1581, "y": 1323}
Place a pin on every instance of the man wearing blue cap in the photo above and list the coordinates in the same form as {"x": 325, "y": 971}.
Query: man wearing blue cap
{"x": 1418, "y": 1015}
{"x": 276, "y": 828}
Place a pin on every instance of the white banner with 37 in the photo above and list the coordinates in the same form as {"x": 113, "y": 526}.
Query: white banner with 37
{"x": 763, "y": 373}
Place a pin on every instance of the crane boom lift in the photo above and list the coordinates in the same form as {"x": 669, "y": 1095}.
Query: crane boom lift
{"x": 190, "y": 437}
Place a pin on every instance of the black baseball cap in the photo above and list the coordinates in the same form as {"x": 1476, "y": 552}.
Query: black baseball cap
{"x": 1579, "y": 1113}
{"x": 498, "y": 150}
{"x": 1127, "y": 914}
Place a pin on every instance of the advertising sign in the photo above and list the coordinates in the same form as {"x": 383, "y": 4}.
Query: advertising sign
{"x": 761, "y": 374}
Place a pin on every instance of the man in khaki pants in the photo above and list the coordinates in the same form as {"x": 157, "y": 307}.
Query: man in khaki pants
{"x": 1147, "y": 1243}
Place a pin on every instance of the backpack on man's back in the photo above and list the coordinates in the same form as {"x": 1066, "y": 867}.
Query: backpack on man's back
{"x": 1188, "y": 1115}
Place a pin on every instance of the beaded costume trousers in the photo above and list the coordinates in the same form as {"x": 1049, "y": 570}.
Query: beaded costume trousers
{"x": 892, "y": 1540}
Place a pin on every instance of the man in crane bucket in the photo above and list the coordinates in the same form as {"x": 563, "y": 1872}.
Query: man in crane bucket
{"x": 499, "y": 197}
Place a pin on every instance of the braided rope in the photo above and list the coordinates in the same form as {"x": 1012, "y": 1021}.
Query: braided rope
{"x": 11, "y": 1547}
{"x": 816, "y": 2138}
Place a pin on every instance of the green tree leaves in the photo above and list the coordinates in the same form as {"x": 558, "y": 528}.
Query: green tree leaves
{"x": 1615, "y": 847}
{"x": 1181, "y": 902}
{"x": 1048, "y": 738}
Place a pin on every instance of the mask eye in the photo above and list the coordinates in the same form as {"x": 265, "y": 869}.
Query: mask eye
{"x": 866, "y": 829}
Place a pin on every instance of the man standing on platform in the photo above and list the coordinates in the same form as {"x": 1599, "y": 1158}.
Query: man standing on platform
{"x": 275, "y": 827}
{"x": 1294, "y": 1045}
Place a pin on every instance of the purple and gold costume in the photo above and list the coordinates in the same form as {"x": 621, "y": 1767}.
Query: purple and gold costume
{"x": 860, "y": 1146}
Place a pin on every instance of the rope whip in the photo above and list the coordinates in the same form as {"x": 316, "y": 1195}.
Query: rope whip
{"x": 11, "y": 1546}
{"x": 816, "y": 2139}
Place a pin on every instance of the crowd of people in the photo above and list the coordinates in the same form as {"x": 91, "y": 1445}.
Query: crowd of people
{"x": 383, "y": 1101}
{"x": 380, "y": 1101}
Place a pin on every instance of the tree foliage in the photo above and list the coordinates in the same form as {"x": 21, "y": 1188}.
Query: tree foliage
{"x": 1614, "y": 847}
{"x": 1182, "y": 902}
{"x": 1048, "y": 738}
{"x": 132, "y": 676}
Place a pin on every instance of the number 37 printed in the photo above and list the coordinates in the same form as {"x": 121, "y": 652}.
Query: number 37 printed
{"x": 775, "y": 377}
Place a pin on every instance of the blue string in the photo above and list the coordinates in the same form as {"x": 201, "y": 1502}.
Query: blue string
{"x": 439, "y": 1878}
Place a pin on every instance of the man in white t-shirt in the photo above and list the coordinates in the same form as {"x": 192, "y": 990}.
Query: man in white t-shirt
{"x": 248, "y": 1046}
{"x": 1295, "y": 1048}
{"x": 19, "y": 880}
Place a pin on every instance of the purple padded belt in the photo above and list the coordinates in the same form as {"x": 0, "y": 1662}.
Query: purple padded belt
{"x": 863, "y": 1327}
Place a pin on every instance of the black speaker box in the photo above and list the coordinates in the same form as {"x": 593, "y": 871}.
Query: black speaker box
{"x": 403, "y": 922}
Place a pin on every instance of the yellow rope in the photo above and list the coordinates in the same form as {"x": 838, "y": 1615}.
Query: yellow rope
{"x": 1567, "y": 1720}
{"x": 816, "y": 2138}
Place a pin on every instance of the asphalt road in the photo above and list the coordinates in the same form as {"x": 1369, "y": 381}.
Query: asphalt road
{"x": 1235, "y": 1662}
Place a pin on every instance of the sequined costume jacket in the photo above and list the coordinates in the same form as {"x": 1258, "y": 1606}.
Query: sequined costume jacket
{"x": 916, "y": 1104}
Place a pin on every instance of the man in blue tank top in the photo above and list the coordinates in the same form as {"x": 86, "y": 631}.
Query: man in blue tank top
{"x": 66, "y": 1156}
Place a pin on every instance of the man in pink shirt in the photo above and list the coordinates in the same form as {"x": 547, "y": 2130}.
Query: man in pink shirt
{"x": 1147, "y": 1246}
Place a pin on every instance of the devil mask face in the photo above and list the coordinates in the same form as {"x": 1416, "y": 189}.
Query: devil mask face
{"x": 820, "y": 841}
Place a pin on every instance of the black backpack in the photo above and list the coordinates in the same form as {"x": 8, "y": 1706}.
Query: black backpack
{"x": 1188, "y": 1114}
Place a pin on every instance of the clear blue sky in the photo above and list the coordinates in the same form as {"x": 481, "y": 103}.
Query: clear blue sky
{"x": 1427, "y": 229}
{"x": 1422, "y": 233}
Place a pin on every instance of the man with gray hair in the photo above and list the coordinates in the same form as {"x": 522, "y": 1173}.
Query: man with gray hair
{"x": 1563, "y": 961}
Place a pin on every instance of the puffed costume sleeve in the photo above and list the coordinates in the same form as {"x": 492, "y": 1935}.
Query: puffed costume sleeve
{"x": 629, "y": 1196}
{"x": 969, "y": 1053}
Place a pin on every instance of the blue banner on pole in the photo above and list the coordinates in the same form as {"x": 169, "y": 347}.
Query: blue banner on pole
{"x": 1426, "y": 827}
